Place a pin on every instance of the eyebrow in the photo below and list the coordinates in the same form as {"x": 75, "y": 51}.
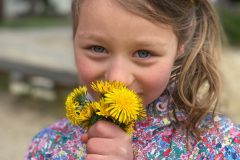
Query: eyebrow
{"x": 94, "y": 36}
{"x": 151, "y": 42}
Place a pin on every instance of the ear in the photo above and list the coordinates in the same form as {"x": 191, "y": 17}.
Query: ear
{"x": 180, "y": 51}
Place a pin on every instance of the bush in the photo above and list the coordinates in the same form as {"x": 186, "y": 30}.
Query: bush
{"x": 230, "y": 20}
{"x": 35, "y": 21}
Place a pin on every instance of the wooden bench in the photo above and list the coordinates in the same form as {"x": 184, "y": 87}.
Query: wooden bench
{"x": 31, "y": 55}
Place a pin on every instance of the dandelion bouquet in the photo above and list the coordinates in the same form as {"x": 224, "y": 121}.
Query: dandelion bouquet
{"x": 116, "y": 103}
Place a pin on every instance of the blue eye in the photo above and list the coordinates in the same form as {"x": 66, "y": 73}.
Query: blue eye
{"x": 143, "y": 54}
{"x": 98, "y": 49}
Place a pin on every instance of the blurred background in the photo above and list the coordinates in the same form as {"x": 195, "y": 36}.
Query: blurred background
{"x": 37, "y": 67}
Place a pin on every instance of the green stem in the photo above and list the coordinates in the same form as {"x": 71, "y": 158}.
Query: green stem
{"x": 94, "y": 119}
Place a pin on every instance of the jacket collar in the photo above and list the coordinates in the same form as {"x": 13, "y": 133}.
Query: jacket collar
{"x": 160, "y": 112}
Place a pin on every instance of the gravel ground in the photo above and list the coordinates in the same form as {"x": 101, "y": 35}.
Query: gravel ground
{"x": 20, "y": 119}
{"x": 230, "y": 66}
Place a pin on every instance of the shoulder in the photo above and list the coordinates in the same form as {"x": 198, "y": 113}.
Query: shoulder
{"x": 219, "y": 126}
{"x": 220, "y": 139}
{"x": 60, "y": 140}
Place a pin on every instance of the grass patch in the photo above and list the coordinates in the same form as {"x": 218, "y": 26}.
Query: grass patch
{"x": 231, "y": 24}
{"x": 4, "y": 81}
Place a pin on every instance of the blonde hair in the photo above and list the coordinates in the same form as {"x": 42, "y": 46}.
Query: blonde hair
{"x": 196, "y": 25}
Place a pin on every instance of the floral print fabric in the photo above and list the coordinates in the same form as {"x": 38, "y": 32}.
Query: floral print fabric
{"x": 162, "y": 135}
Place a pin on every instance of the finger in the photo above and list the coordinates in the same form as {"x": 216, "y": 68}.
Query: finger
{"x": 84, "y": 138}
{"x": 94, "y": 157}
{"x": 104, "y": 146}
{"x": 100, "y": 157}
{"x": 104, "y": 129}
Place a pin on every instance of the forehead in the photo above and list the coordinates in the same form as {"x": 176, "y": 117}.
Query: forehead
{"x": 109, "y": 18}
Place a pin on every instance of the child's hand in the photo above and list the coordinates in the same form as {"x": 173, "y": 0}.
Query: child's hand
{"x": 106, "y": 141}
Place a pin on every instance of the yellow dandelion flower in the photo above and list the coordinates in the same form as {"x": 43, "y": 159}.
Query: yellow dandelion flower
{"x": 75, "y": 101}
{"x": 72, "y": 114}
{"x": 129, "y": 128}
{"x": 117, "y": 104}
{"x": 103, "y": 87}
{"x": 142, "y": 113}
{"x": 101, "y": 108}
{"x": 124, "y": 105}
{"x": 86, "y": 115}
{"x": 78, "y": 96}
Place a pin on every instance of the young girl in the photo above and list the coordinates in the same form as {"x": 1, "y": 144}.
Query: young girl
{"x": 165, "y": 50}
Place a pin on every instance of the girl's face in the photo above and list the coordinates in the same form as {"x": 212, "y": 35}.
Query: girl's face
{"x": 112, "y": 43}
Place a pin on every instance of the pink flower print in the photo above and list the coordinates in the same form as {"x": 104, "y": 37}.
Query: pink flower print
{"x": 166, "y": 139}
{"x": 57, "y": 138}
{"x": 148, "y": 137}
{"x": 234, "y": 132}
{"x": 74, "y": 150}
{"x": 167, "y": 152}
{"x": 219, "y": 156}
{"x": 70, "y": 157}
{"x": 237, "y": 139}
{"x": 169, "y": 132}
{"x": 70, "y": 143}
{"x": 204, "y": 139}
{"x": 184, "y": 156}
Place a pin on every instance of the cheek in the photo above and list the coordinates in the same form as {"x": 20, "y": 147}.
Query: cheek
{"x": 85, "y": 70}
{"x": 88, "y": 71}
{"x": 159, "y": 81}
{"x": 156, "y": 82}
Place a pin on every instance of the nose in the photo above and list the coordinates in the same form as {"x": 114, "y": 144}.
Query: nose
{"x": 119, "y": 70}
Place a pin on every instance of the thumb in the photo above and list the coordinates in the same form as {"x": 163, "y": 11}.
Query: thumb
{"x": 84, "y": 138}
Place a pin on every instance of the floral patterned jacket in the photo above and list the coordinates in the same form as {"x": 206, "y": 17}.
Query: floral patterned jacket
{"x": 159, "y": 136}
